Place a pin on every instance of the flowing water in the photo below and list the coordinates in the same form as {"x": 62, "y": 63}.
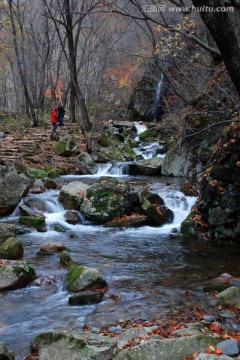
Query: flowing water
{"x": 144, "y": 266}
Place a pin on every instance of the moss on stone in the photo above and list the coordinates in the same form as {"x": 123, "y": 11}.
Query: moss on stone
{"x": 65, "y": 259}
{"x": 36, "y": 222}
{"x": 61, "y": 146}
{"x": 189, "y": 226}
{"x": 149, "y": 134}
{"x": 129, "y": 151}
{"x": 104, "y": 140}
{"x": 37, "y": 173}
{"x": 74, "y": 273}
{"x": 11, "y": 249}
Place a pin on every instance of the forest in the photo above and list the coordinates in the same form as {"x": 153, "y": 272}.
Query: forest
{"x": 119, "y": 179}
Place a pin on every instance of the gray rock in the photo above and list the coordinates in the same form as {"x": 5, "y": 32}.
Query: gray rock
{"x": 151, "y": 166}
{"x": 72, "y": 194}
{"x": 133, "y": 333}
{"x": 58, "y": 227}
{"x": 35, "y": 203}
{"x": 6, "y": 231}
{"x": 191, "y": 329}
{"x": 72, "y": 217}
{"x": 5, "y": 354}
{"x": 15, "y": 275}
{"x": 229, "y": 347}
{"x": 85, "y": 164}
{"x": 210, "y": 318}
{"x": 167, "y": 349}
{"x": 52, "y": 247}
{"x": 24, "y": 210}
{"x": 229, "y": 296}
{"x": 12, "y": 188}
{"x": 74, "y": 346}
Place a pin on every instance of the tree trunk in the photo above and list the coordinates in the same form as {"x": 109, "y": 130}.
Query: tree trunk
{"x": 226, "y": 35}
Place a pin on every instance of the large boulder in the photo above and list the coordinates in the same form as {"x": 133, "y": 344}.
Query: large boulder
{"x": 12, "y": 188}
{"x": 107, "y": 199}
{"x": 6, "y": 231}
{"x": 72, "y": 194}
{"x": 73, "y": 345}
{"x": 11, "y": 249}
{"x": 230, "y": 296}
{"x": 15, "y": 274}
{"x": 167, "y": 349}
{"x": 151, "y": 166}
{"x": 85, "y": 164}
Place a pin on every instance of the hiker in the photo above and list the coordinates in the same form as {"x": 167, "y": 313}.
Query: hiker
{"x": 54, "y": 119}
{"x": 60, "y": 112}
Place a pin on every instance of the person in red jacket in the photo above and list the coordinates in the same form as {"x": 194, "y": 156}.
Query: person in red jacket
{"x": 54, "y": 119}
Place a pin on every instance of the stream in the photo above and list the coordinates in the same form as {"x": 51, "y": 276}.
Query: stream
{"x": 148, "y": 269}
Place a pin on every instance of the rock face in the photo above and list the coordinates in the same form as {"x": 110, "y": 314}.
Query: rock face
{"x": 218, "y": 207}
{"x": 15, "y": 275}
{"x": 151, "y": 166}
{"x": 72, "y": 194}
{"x": 12, "y": 188}
{"x": 185, "y": 159}
{"x": 107, "y": 199}
{"x": 229, "y": 296}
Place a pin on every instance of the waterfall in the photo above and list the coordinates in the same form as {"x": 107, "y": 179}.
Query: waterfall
{"x": 118, "y": 169}
{"x": 149, "y": 150}
{"x": 157, "y": 99}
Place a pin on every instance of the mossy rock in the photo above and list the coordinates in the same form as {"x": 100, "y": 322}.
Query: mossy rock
{"x": 35, "y": 222}
{"x": 81, "y": 278}
{"x": 104, "y": 140}
{"x": 11, "y": 249}
{"x": 189, "y": 227}
{"x": 113, "y": 153}
{"x": 148, "y": 135}
{"x": 37, "y": 173}
{"x": 129, "y": 151}
{"x": 107, "y": 199}
{"x": 15, "y": 274}
{"x": 67, "y": 147}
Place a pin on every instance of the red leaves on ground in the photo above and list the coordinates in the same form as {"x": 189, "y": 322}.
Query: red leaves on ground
{"x": 215, "y": 327}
